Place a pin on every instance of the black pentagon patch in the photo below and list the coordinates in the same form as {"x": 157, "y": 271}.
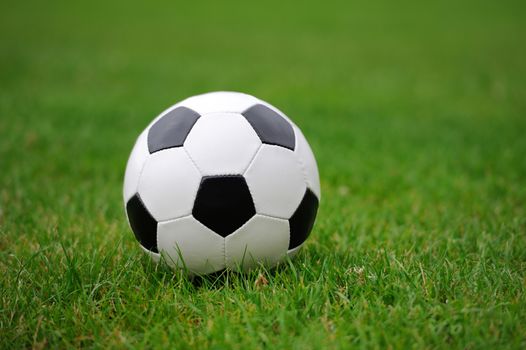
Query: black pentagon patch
{"x": 302, "y": 220}
{"x": 223, "y": 203}
{"x": 171, "y": 129}
{"x": 271, "y": 127}
{"x": 142, "y": 223}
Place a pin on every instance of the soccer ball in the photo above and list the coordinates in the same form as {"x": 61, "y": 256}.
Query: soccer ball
{"x": 221, "y": 180}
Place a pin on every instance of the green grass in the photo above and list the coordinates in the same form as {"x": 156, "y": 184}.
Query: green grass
{"x": 416, "y": 113}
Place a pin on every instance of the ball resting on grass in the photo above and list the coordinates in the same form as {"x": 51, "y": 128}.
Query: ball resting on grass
{"x": 221, "y": 180}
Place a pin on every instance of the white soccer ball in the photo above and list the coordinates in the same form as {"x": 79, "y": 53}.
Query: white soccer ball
{"x": 221, "y": 180}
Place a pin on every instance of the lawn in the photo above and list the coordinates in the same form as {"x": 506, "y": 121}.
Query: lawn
{"x": 416, "y": 112}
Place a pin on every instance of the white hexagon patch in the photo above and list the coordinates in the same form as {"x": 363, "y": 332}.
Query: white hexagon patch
{"x": 222, "y": 144}
{"x": 276, "y": 181}
{"x": 168, "y": 184}
{"x": 186, "y": 243}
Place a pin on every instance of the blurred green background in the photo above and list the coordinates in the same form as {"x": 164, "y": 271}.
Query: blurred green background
{"x": 415, "y": 110}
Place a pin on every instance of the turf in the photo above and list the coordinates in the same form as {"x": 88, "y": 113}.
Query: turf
{"x": 416, "y": 112}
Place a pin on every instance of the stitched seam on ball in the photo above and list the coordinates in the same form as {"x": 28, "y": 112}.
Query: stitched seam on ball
{"x": 140, "y": 172}
{"x": 193, "y": 161}
{"x": 247, "y": 182}
{"x": 234, "y": 233}
{"x": 303, "y": 171}
{"x": 252, "y": 196}
{"x": 224, "y": 242}
{"x": 200, "y": 181}
{"x": 252, "y": 159}
{"x": 177, "y": 218}
{"x": 277, "y": 219}
{"x": 273, "y": 216}
{"x": 303, "y": 167}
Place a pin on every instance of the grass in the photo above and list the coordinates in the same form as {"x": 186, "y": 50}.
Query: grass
{"x": 416, "y": 113}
